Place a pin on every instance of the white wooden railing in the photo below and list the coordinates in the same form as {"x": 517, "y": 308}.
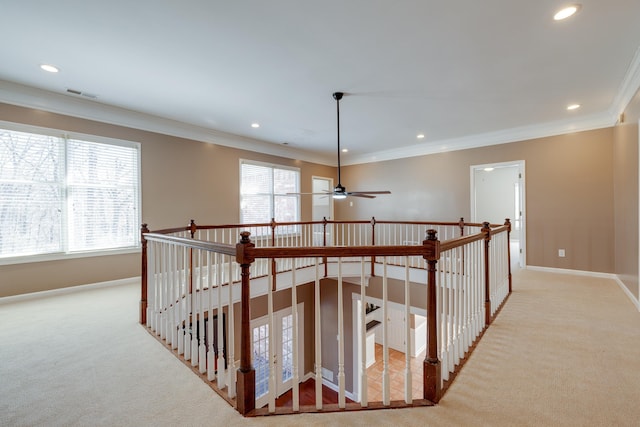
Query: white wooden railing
{"x": 195, "y": 279}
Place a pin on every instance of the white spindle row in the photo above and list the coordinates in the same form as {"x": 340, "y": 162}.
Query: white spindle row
{"x": 499, "y": 270}
{"x": 185, "y": 295}
{"x": 460, "y": 303}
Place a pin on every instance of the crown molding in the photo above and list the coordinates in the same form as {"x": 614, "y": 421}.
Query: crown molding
{"x": 30, "y": 97}
{"x": 628, "y": 88}
{"x": 595, "y": 121}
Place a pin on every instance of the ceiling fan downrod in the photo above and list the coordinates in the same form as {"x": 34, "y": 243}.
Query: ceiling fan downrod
{"x": 338, "y": 96}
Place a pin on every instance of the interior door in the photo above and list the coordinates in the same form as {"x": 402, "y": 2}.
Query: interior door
{"x": 322, "y": 208}
{"x": 497, "y": 192}
{"x": 283, "y": 343}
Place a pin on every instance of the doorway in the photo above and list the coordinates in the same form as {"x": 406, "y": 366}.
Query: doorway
{"x": 283, "y": 343}
{"x": 497, "y": 192}
{"x": 322, "y": 208}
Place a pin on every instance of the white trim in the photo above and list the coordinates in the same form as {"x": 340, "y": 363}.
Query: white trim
{"x": 335, "y": 388}
{"x": 522, "y": 238}
{"x": 56, "y": 256}
{"x": 627, "y": 292}
{"x": 69, "y": 290}
{"x": 506, "y": 136}
{"x": 596, "y": 274}
{"x": 628, "y": 87}
{"x": 570, "y": 271}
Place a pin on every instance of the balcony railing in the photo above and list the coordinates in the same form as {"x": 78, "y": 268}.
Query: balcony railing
{"x": 203, "y": 294}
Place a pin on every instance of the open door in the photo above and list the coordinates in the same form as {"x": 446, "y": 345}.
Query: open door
{"x": 322, "y": 208}
{"x": 497, "y": 192}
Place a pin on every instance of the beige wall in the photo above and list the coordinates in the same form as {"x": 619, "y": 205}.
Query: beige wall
{"x": 569, "y": 194}
{"x": 626, "y": 197}
{"x": 181, "y": 180}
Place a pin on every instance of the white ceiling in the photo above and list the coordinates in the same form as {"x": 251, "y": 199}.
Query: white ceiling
{"x": 464, "y": 72}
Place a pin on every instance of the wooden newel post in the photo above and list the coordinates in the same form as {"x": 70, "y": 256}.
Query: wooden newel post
{"x": 246, "y": 382}
{"x": 461, "y": 225}
{"x": 143, "y": 276}
{"x": 507, "y": 222}
{"x": 373, "y": 243}
{"x": 487, "y": 281}
{"x": 432, "y": 377}
{"x": 192, "y": 231}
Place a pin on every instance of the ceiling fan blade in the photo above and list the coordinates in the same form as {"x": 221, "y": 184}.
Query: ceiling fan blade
{"x": 370, "y": 192}
{"x": 366, "y": 196}
{"x": 310, "y": 194}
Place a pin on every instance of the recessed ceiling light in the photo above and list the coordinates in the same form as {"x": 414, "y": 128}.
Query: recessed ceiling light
{"x": 255, "y": 125}
{"x": 345, "y": 150}
{"x": 488, "y": 169}
{"x": 420, "y": 136}
{"x": 566, "y": 12}
{"x": 49, "y": 68}
{"x": 573, "y": 107}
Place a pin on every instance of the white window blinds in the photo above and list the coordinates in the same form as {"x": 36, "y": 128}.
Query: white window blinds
{"x": 263, "y": 193}
{"x": 62, "y": 195}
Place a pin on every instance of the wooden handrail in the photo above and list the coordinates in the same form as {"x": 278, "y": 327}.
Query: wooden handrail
{"x": 220, "y": 248}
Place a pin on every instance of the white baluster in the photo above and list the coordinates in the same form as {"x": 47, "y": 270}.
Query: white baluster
{"x": 364, "y": 385}
{"x": 318, "y": 338}
{"x": 163, "y": 305}
{"x": 231, "y": 390}
{"x": 273, "y": 354}
{"x": 211, "y": 369}
{"x": 295, "y": 381}
{"x": 179, "y": 341}
{"x": 194, "y": 323}
{"x": 386, "y": 386}
{"x": 151, "y": 280}
{"x": 189, "y": 319}
{"x": 202, "y": 354}
{"x": 341, "y": 384}
{"x": 220, "y": 348}
{"x": 408, "y": 387}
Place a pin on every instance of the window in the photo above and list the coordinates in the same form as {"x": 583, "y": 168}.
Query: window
{"x": 263, "y": 193}
{"x": 62, "y": 196}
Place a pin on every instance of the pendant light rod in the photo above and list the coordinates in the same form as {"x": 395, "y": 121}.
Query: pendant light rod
{"x": 338, "y": 96}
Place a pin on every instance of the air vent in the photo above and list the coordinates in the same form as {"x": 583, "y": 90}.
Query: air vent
{"x": 79, "y": 93}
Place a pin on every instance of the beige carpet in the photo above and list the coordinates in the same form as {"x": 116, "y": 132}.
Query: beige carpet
{"x": 564, "y": 351}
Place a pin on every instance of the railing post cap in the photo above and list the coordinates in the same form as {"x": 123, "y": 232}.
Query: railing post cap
{"x": 244, "y": 237}
{"x": 432, "y": 234}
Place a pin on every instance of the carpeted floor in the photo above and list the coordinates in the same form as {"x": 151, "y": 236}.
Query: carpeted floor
{"x": 564, "y": 351}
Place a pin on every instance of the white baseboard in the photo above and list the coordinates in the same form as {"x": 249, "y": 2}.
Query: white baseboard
{"x": 612, "y": 276}
{"x": 335, "y": 388}
{"x": 627, "y": 292}
{"x": 574, "y": 272}
{"x": 69, "y": 290}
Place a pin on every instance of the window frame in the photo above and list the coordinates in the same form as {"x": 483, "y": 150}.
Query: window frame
{"x": 65, "y": 253}
{"x": 272, "y": 166}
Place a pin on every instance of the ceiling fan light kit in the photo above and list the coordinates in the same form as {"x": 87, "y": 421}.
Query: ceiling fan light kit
{"x": 340, "y": 191}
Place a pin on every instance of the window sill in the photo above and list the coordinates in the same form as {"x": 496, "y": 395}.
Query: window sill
{"x": 65, "y": 256}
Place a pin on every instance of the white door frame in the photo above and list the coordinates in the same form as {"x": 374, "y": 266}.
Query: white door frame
{"x": 277, "y": 322}
{"x": 331, "y": 205}
{"x": 522, "y": 186}
{"x": 330, "y": 180}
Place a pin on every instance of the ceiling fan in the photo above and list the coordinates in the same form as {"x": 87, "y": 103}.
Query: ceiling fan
{"x": 340, "y": 191}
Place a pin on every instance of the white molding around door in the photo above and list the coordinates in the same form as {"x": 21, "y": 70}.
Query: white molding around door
{"x": 522, "y": 196}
